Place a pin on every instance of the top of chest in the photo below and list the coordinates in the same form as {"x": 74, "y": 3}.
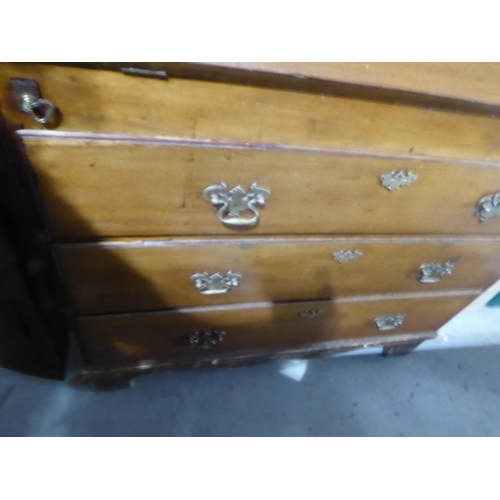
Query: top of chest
{"x": 449, "y": 111}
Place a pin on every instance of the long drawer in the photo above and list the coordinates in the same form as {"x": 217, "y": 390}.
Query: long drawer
{"x": 188, "y": 332}
{"x": 106, "y": 102}
{"x": 100, "y": 189}
{"x": 158, "y": 274}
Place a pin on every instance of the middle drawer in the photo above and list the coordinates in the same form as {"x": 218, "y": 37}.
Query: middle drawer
{"x": 151, "y": 274}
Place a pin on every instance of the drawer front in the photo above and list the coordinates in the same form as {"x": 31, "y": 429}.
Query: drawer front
{"x": 159, "y": 274}
{"x": 111, "y": 103}
{"x": 139, "y": 337}
{"x": 101, "y": 189}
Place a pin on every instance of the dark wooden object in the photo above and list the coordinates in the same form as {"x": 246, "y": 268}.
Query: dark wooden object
{"x": 129, "y": 162}
{"x": 34, "y": 315}
{"x": 152, "y": 274}
{"x": 136, "y": 337}
{"x": 401, "y": 349}
{"x": 470, "y": 87}
{"x": 110, "y": 377}
{"x": 102, "y": 188}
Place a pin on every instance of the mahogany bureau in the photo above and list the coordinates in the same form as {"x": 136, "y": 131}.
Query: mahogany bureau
{"x": 224, "y": 213}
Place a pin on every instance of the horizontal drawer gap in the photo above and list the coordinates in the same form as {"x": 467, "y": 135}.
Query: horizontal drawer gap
{"x": 113, "y": 139}
{"x": 232, "y": 240}
{"x": 254, "y": 305}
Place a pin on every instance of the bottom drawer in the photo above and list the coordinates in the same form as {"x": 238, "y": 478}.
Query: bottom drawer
{"x": 130, "y": 338}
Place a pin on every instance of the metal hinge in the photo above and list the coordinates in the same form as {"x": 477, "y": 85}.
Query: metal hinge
{"x": 147, "y": 73}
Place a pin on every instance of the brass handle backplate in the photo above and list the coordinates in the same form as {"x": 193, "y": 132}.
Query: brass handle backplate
{"x": 215, "y": 284}
{"x": 309, "y": 314}
{"x": 432, "y": 272}
{"x": 488, "y": 207}
{"x": 389, "y": 322}
{"x": 206, "y": 339}
{"x": 343, "y": 256}
{"x": 394, "y": 180}
{"x": 231, "y": 204}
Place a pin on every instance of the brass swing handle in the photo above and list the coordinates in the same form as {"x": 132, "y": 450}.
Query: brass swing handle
{"x": 215, "y": 284}
{"x": 206, "y": 339}
{"x": 389, "y": 322}
{"x": 488, "y": 207}
{"x": 231, "y": 203}
{"x": 432, "y": 272}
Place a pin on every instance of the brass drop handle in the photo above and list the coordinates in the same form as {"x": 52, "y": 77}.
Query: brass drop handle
{"x": 206, "y": 339}
{"x": 30, "y": 100}
{"x": 432, "y": 272}
{"x": 216, "y": 283}
{"x": 309, "y": 314}
{"x": 394, "y": 180}
{"x": 231, "y": 203}
{"x": 343, "y": 256}
{"x": 488, "y": 207}
{"x": 389, "y": 322}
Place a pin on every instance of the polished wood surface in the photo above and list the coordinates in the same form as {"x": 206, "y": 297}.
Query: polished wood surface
{"x": 101, "y": 188}
{"x": 124, "y": 171}
{"x": 469, "y": 87}
{"x": 151, "y": 336}
{"x": 120, "y": 376}
{"x": 155, "y": 274}
{"x": 106, "y": 102}
{"x": 477, "y": 82}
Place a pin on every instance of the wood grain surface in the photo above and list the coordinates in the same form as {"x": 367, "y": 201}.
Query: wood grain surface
{"x": 478, "y": 82}
{"x": 119, "y": 376}
{"x": 107, "y": 102}
{"x": 150, "y": 336}
{"x": 100, "y": 188}
{"x": 465, "y": 86}
{"x": 132, "y": 156}
{"x": 155, "y": 274}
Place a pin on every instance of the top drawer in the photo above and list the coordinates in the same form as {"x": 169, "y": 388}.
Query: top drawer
{"x": 107, "y": 102}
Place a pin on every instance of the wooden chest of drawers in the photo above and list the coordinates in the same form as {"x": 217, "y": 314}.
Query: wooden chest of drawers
{"x": 198, "y": 222}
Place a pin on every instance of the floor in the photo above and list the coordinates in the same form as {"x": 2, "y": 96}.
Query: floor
{"x": 442, "y": 389}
